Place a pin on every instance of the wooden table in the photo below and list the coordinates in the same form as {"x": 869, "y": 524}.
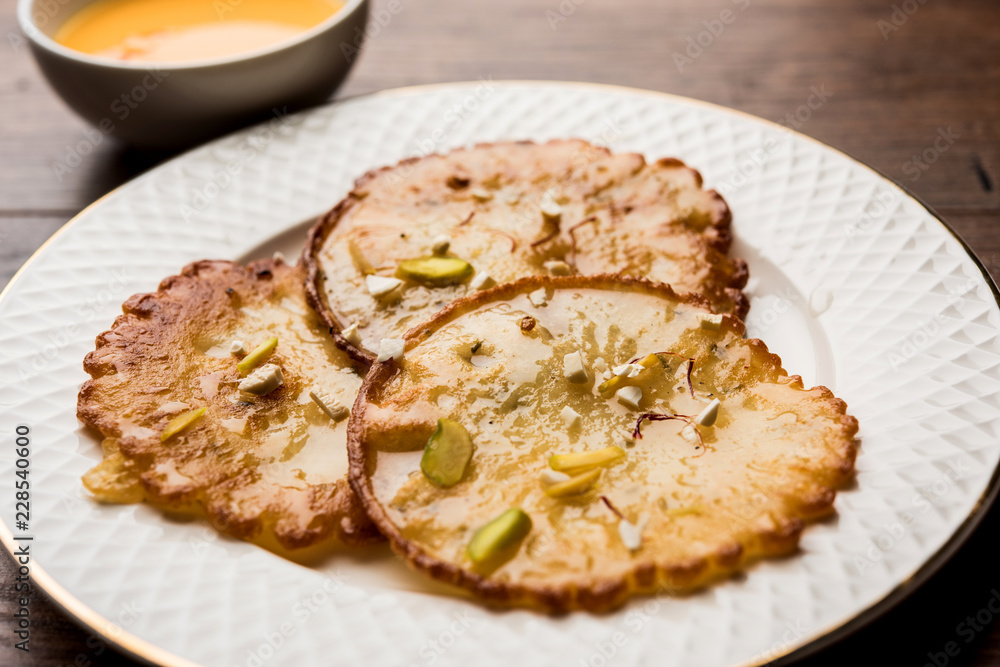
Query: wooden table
{"x": 895, "y": 80}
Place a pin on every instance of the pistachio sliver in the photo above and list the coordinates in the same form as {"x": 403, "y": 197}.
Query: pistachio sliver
{"x": 574, "y": 485}
{"x": 685, "y": 511}
{"x": 435, "y": 271}
{"x": 579, "y": 461}
{"x": 447, "y": 453}
{"x": 499, "y": 536}
{"x": 181, "y": 422}
{"x": 609, "y": 384}
{"x": 254, "y": 359}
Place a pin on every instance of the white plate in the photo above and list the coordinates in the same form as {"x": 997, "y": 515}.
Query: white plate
{"x": 855, "y": 284}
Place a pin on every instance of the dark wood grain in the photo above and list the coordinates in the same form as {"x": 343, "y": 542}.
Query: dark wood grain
{"x": 890, "y": 96}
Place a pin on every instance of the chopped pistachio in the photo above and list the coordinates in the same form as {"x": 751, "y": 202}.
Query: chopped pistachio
{"x": 381, "y": 285}
{"x": 550, "y": 477}
{"x": 255, "y": 358}
{"x": 579, "y": 461}
{"x": 447, "y": 453}
{"x": 435, "y": 271}
{"x": 440, "y": 244}
{"x": 710, "y": 322}
{"x": 629, "y": 396}
{"x": 571, "y": 417}
{"x": 557, "y": 267}
{"x": 332, "y": 408}
{"x": 549, "y": 206}
{"x": 263, "y": 380}
{"x": 600, "y": 365}
{"x": 539, "y": 297}
{"x": 181, "y": 422}
{"x": 574, "y": 485}
{"x": 482, "y": 280}
{"x": 573, "y": 368}
{"x": 351, "y": 334}
{"x": 626, "y": 439}
{"x": 391, "y": 348}
{"x": 238, "y": 347}
{"x": 481, "y": 194}
{"x": 708, "y": 416}
{"x": 499, "y": 536}
{"x": 649, "y": 360}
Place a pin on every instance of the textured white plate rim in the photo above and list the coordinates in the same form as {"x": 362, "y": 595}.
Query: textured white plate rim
{"x": 146, "y": 651}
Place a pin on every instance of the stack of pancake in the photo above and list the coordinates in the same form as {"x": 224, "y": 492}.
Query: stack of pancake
{"x": 521, "y": 364}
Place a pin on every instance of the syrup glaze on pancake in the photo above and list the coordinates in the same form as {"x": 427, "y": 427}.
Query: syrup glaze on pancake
{"x": 270, "y": 468}
{"x": 706, "y": 499}
{"x": 508, "y": 209}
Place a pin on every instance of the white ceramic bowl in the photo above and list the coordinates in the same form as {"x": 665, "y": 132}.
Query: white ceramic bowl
{"x": 179, "y": 104}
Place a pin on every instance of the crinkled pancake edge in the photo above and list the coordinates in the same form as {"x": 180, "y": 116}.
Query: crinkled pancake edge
{"x": 646, "y": 576}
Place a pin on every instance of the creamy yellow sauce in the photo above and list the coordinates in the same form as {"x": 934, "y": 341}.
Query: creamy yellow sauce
{"x": 183, "y": 30}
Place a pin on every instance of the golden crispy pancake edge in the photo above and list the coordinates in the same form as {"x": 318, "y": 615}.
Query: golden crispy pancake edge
{"x": 646, "y": 577}
{"x": 719, "y": 238}
{"x": 188, "y": 296}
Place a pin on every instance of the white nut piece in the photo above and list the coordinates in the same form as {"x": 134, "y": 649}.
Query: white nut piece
{"x": 481, "y": 194}
{"x": 381, "y": 285}
{"x": 440, "y": 244}
{"x": 391, "y": 348}
{"x": 237, "y": 347}
{"x": 557, "y": 267}
{"x": 629, "y": 396}
{"x": 708, "y": 416}
{"x": 549, "y": 206}
{"x": 571, "y": 417}
{"x": 263, "y": 380}
{"x": 631, "y": 535}
{"x": 539, "y": 297}
{"x": 333, "y": 409}
{"x": 600, "y": 365}
{"x": 710, "y": 322}
{"x": 482, "y": 280}
{"x": 351, "y": 334}
{"x": 690, "y": 434}
{"x": 629, "y": 370}
{"x": 573, "y": 368}
{"x": 550, "y": 477}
